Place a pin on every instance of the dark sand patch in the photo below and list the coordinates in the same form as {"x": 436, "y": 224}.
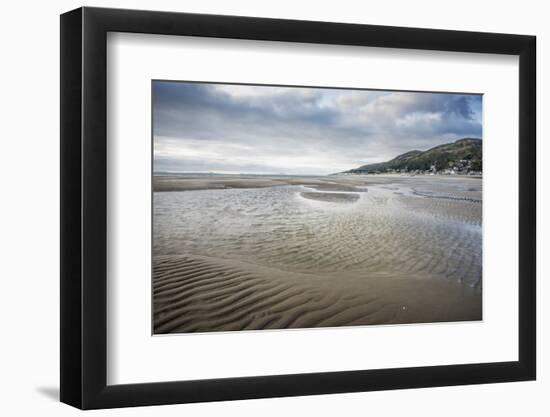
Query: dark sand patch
{"x": 331, "y": 197}
{"x": 336, "y": 187}
{"x": 190, "y": 182}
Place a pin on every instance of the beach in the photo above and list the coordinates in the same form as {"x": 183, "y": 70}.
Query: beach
{"x": 252, "y": 252}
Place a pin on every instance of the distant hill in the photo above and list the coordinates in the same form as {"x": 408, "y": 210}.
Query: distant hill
{"x": 464, "y": 155}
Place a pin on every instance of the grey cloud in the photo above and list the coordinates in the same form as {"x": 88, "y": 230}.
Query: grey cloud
{"x": 338, "y": 127}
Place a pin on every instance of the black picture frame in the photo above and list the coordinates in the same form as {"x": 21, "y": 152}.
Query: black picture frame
{"x": 84, "y": 207}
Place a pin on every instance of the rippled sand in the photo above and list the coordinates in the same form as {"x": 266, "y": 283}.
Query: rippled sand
{"x": 300, "y": 252}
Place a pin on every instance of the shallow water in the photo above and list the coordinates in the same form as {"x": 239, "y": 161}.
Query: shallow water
{"x": 418, "y": 227}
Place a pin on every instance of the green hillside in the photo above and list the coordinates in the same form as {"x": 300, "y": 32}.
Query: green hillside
{"x": 464, "y": 155}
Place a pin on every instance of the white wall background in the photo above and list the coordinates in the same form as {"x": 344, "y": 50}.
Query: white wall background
{"x": 29, "y": 237}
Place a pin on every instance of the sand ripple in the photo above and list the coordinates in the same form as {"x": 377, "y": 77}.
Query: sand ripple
{"x": 201, "y": 294}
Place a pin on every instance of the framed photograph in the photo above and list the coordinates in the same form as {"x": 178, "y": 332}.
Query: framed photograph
{"x": 259, "y": 208}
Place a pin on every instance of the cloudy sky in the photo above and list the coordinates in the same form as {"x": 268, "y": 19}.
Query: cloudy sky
{"x": 200, "y": 127}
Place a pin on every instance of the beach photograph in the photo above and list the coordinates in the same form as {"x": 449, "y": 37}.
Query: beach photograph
{"x": 289, "y": 207}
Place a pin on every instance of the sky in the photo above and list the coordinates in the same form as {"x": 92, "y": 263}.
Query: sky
{"x": 228, "y": 128}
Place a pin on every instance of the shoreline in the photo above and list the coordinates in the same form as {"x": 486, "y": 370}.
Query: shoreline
{"x": 327, "y": 183}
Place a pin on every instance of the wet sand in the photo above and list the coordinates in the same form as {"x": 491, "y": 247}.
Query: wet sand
{"x": 252, "y": 253}
{"x": 331, "y": 197}
{"x": 200, "y": 294}
{"x": 191, "y": 182}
